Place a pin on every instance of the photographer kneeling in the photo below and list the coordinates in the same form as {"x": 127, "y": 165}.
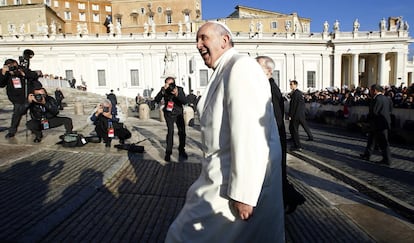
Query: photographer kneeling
{"x": 43, "y": 111}
{"x": 108, "y": 123}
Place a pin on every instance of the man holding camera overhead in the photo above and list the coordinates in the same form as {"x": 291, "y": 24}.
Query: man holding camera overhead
{"x": 19, "y": 81}
{"x": 43, "y": 111}
{"x": 174, "y": 99}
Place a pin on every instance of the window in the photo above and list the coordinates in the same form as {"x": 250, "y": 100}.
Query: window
{"x": 68, "y": 15}
{"x": 101, "y": 77}
{"x": 48, "y": 2}
{"x": 67, "y": 5}
{"x": 311, "y": 79}
{"x": 306, "y": 28}
{"x": 169, "y": 19}
{"x": 95, "y": 17}
{"x": 203, "y": 77}
{"x": 82, "y": 17}
{"x": 108, "y": 8}
{"x": 273, "y": 25}
{"x": 134, "y": 77}
{"x": 81, "y": 5}
{"x": 95, "y": 7}
{"x": 69, "y": 74}
{"x": 159, "y": 10}
{"x": 56, "y": 4}
{"x": 17, "y": 2}
{"x": 276, "y": 77}
{"x": 142, "y": 10}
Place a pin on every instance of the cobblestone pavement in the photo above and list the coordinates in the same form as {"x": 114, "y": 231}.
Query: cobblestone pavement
{"x": 337, "y": 151}
{"x": 97, "y": 194}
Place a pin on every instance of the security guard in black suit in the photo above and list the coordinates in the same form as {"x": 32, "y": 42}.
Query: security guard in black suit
{"x": 379, "y": 118}
{"x": 174, "y": 99}
{"x": 297, "y": 115}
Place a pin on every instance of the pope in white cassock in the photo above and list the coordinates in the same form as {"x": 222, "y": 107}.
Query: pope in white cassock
{"x": 238, "y": 196}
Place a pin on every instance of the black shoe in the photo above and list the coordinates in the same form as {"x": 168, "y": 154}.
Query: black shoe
{"x": 364, "y": 157}
{"x": 384, "y": 162}
{"x": 183, "y": 155}
{"x": 37, "y": 140}
{"x": 108, "y": 144}
{"x": 167, "y": 157}
{"x": 295, "y": 149}
{"x": 122, "y": 141}
{"x": 293, "y": 202}
{"x": 9, "y": 135}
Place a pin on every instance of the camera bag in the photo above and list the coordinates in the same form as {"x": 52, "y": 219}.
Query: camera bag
{"x": 72, "y": 140}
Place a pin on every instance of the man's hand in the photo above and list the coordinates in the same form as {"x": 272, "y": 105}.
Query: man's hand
{"x": 5, "y": 69}
{"x": 31, "y": 98}
{"x": 99, "y": 109}
{"x": 245, "y": 211}
{"x": 175, "y": 91}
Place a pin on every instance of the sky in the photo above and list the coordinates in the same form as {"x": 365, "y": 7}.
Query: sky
{"x": 368, "y": 12}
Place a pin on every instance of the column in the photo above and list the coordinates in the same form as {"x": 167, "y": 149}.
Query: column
{"x": 382, "y": 80}
{"x": 400, "y": 71}
{"x": 326, "y": 71}
{"x": 290, "y": 67}
{"x": 355, "y": 70}
{"x": 337, "y": 70}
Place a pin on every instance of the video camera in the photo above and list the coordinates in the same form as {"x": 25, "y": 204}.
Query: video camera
{"x": 24, "y": 61}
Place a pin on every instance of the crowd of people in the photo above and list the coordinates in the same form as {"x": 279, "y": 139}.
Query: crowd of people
{"x": 401, "y": 96}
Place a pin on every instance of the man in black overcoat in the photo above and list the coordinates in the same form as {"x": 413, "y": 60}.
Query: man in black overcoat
{"x": 297, "y": 115}
{"x": 291, "y": 197}
{"x": 379, "y": 118}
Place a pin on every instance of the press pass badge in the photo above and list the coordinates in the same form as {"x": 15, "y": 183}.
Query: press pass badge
{"x": 170, "y": 105}
{"x": 111, "y": 131}
{"x": 45, "y": 124}
{"x": 17, "y": 83}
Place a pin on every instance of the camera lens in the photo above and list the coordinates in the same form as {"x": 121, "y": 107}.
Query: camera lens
{"x": 13, "y": 68}
{"x": 38, "y": 97}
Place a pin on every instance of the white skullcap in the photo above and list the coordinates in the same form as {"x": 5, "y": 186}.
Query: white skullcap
{"x": 224, "y": 26}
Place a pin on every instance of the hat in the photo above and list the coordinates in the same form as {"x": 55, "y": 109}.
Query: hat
{"x": 224, "y": 27}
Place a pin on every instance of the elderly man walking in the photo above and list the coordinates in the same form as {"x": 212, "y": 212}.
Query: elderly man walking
{"x": 238, "y": 196}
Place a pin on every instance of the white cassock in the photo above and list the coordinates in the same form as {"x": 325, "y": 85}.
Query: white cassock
{"x": 242, "y": 160}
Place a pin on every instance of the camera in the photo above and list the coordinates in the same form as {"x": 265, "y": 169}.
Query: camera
{"x": 13, "y": 68}
{"x": 171, "y": 87}
{"x": 105, "y": 109}
{"x": 38, "y": 97}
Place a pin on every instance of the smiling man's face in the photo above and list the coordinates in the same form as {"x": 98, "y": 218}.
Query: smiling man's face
{"x": 212, "y": 43}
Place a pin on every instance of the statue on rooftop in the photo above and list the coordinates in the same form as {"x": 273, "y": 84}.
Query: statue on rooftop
{"x": 382, "y": 24}
{"x": 356, "y": 25}
{"x": 325, "y": 27}
{"x": 336, "y": 25}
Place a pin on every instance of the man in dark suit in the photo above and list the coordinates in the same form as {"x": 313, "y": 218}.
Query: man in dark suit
{"x": 379, "y": 118}
{"x": 291, "y": 197}
{"x": 297, "y": 115}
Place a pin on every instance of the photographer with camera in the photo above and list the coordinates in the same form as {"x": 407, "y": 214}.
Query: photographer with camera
{"x": 43, "y": 111}
{"x": 108, "y": 121}
{"x": 19, "y": 81}
{"x": 174, "y": 99}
